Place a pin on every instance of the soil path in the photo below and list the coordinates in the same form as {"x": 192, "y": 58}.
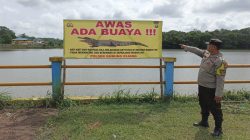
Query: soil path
{"x": 23, "y": 124}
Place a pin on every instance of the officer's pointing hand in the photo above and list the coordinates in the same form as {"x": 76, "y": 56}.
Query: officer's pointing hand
{"x": 183, "y": 46}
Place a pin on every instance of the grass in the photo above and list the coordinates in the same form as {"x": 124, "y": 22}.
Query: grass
{"x": 124, "y": 96}
{"x": 123, "y": 117}
{"x": 156, "y": 121}
{"x": 4, "y": 98}
{"x": 239, "y": 95}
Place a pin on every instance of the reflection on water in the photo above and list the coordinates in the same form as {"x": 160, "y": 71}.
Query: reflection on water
{"x": 41, "y": 57}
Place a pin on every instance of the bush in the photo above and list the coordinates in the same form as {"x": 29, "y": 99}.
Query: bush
{"x": 4, "y": 97}
{"x": 240, "y": 95}
{"x": 125, "y": 96}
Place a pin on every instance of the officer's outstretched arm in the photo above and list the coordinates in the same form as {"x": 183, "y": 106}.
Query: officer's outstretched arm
{"x": 194, "y": 50}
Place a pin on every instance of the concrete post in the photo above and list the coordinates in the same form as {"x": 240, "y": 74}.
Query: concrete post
{"x": 56, "y": 63}
{"x": 169, "y": 76}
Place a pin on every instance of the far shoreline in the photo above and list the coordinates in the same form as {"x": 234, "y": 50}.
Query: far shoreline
{"x": 10, "y": 48}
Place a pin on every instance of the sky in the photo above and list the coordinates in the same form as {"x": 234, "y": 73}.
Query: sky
{"x": 44, "y": 18}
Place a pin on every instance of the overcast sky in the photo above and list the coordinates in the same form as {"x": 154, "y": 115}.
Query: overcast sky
{"x": 44, "y": 18}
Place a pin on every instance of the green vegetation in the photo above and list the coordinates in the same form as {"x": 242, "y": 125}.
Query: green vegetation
{"x": 125, "y": 96}
{"x": 117, "y": 97}
{"x": 4, "y": 98}
{"x": 122, "y": 96}
{"x": 6, "y": 35}
{"x": 121, "y": 115}
{"x": 240, "y": 95}
{"x": 158, "y": 121}
{"x": 53, "y": 43}
{"x": 232, "y": 39}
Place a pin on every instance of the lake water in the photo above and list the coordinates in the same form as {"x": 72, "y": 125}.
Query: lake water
{"x": 41, "y": 57}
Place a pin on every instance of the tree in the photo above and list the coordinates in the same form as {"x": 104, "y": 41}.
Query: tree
{"x": 6, "y": 35}
{"x": 26, "y": 36}
{"x": 232, "y": 39}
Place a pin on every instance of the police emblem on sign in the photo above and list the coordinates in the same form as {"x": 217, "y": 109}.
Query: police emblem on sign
{"x": 69, "y": 24}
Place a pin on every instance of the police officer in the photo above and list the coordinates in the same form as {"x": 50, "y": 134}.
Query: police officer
{"x": 210, "y": 83}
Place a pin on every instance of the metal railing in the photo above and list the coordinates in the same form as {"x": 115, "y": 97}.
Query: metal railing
{"x": 111, "y": 66}
{"x": 76, "y": 66}
{"x": 57, "y": 66}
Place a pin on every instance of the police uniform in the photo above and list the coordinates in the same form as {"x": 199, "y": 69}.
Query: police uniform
{"x": 211, "y": 83}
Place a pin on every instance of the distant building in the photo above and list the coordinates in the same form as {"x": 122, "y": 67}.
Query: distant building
{"x": 39, "y": 41}
{"x": 22, "y": 41}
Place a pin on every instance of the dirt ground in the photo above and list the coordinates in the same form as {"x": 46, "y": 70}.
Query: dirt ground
{"x": 23, "y": 124}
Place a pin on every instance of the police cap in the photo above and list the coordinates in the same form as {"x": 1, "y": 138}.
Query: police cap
{"x": 216, "y": 42}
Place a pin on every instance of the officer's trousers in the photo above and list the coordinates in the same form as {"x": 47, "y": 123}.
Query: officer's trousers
{"x": 208, "y": 104}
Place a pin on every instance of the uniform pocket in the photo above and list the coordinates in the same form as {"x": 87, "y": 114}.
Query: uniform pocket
{"x": 207, "y": 65}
